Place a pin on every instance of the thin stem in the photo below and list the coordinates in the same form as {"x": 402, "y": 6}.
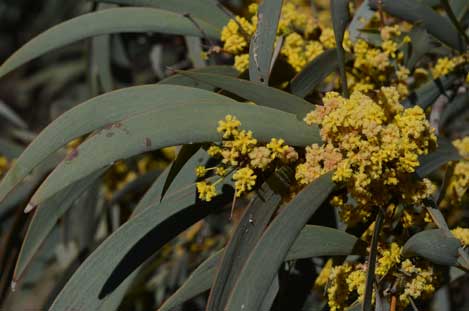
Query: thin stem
{"x": 372, "y": 262}
{"x": 454, "y": 19}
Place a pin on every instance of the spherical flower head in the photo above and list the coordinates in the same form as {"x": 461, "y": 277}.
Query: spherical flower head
{"x": 234, "y": 41}
{"x": 277, "y": 147}
{"x": 241, "y": 62}
{"x": 389, "y": 47}
{"x": 388, "y": 32}
{"x": 230, "y": 156}
{"x": 260, "y": 157}
{"x": 356, "y": 282}
{"x": 200, "y": 171}
{"x": 214, "y": 151}
{"x": 244, "y": 142}
{"x": 338, "y": 291}
{"x": 244, "y": 180}
{"x": 220, "y": 171}
{"x": 389, "y": 258}
{"x": 463, "y": 147}
{"x": 327, "y": 38}
{"x": 229, "y": 126}
{"x": 443, "y": 66}
{"x": 462, "y": 234}
{"x": 206, "y": 190}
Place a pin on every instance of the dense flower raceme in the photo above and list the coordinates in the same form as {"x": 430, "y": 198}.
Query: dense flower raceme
{"x": 374, "y": 145}
{"x": 374, "y": 63}
{"x": 242, "y": 157}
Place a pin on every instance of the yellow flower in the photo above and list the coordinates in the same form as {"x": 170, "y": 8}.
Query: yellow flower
{"x": 214, "y": 151}
{"x": 389, "y": 258}
{"x": 200, "y": 171}
{"x": 260, "y": 157}
{"x": 244, "y": 142}
{"x": 277, "y": 147}
{"x": 220, "y": 171}
{"x": 390, "y": 48}
{"x": 206, "y": 190}
{"x": 327, "y": 38}
{"x": 244, "y": 180}
{"x": 323, "y": 277}
{"x": 241, "y": 62}
{"x": 229, "y": 126}
{"x": 462, "y": 234}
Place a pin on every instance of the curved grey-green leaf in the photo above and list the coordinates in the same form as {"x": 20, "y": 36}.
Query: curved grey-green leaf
{"x": 313, "y": 241}
{"x": 314, "y": 73}
{"x": 360, "y": 18}
{"x": 426, "y": 95}
{"x": 84, "y": 291}
{"x": 44, "y": 220}
{"x": 261, "y": 48}
{"x": 433, "y": 245}
{"x": 108, "y": 21}
{"x": 272, "y": 248}
{"x": 444, "y": 153}
{"x": 169, "y": 126}
{"x": 412, "y": 11}
{"x": 183, "y": 79}
{"x": 256, "y": 92}
{"x": 340, "y": 19}
{"x": 96, "y": 113}
{"x": 206, "y": 10}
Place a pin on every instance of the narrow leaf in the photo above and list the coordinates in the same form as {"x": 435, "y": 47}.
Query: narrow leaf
{"x": 96, "y": 113}
{"x": 110, "y": 264}
{"x": 314, "y": 73}
{"x": 258, "y": 93}
{"x": 433, "y": 245}
{"x": 359, "y": 20}
{"x": 426, "y": 95}
{"x": 415, "y": 12}
{"x": 266, "y": 258}
{"x": 44, "y": 220}
{"x": 261, "y": 48}
{"x": 340, "y": 18}
{"x": 444, "y": 153}
{"x": 250, "y": 228}
{"x": 103, "y": 22}
{"x": 206, "y": 10}
{"x": 168, "y": 126}
{"x": 184, "y": 80}
{"x": 312, "y": 241}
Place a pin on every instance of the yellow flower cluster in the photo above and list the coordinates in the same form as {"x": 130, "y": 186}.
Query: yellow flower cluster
{"x": 445, "y": 65}
{"x": 462, "y": 234}
{"x": 240, "y": 152}
{"x": 304, "y": 36}
{"x": 416, "y": 282}
{"x": 373, "y": 144}
{"x": 459, "y": 181}
{"x": 346, "y": 282}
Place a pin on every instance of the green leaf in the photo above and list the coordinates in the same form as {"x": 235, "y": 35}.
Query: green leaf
{"x": 414, "y": 12}
{"x": 271, "y": 250}
{"x": 258, "y": 93}
{"x": 251, "y": 226}
{"x": 421, "y": 44}
{"x": 426, "y": 95}
{"x": 185, "y": 153}
{"x": 101, "y": 62}
{"x": 104, "y": 270}
{"x": 313, "y": 241}
{"x": 206, "y": 10}
{"x": 453, "y": 18}
{"x": 103, "y": 22}
{"x": 340, "y": 18}
{"x": 359, "y": 20}
{"x": 185, "y": 80}
{"x": 454, "y": 108}
{"x": 178, "y": 124}
{"x": 96, "y": 113}
{"x": 433, "y": 245}
{"x": 45, "y": 218}
{"x": 444, "y": 153}
{"x": 11, "y": 116}
{"x": 261, "y": 48}
{"x": 314, "y": 73}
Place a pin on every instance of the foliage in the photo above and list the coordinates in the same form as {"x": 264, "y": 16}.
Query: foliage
{"x": 288, "y": 154}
